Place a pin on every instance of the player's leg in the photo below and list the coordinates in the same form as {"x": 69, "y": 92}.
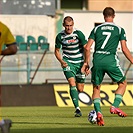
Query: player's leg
{"x": 70, "y": 76}
{"x": 114, "y": 109}
{"x": 74, "y": 96}
{"x": 97, "y": 77}
{"x": 80, "y": 87}
{"x": 117, "y": 76}
{"x": 96, "y": 102}
{"x": 96, "y": 98}
{"x": 119, "y": 93}
{"x": 4, "y": 124}
{"x": 80, "y": 80}
{"x": 73, "y": 91}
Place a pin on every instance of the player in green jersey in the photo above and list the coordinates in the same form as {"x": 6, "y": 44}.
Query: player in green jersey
{"x": 72, "y": 43}
{"x": 105, "y": 60}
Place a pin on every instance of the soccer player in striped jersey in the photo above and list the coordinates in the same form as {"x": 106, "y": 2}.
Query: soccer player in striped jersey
{"x": 6, "y": 38}
{"x": 72, "y": 43}
{"x": 107, "y": 37}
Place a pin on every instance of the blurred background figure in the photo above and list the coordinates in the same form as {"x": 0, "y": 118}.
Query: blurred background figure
{"x": 6, "y": 38}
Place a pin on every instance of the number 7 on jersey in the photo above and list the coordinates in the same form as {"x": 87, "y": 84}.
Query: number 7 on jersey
{"x": 107, "y": 34}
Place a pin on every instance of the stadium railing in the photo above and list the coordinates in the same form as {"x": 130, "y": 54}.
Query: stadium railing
{"x": 25, "y": 63}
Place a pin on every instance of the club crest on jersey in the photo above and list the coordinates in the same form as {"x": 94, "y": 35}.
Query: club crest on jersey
{"x": 74, "y": 37}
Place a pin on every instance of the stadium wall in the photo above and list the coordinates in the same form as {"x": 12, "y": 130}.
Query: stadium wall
{"x": 28, "y": 95}
{"x": 86, "y": 21}
{"x": 119, "y": 5}
{"x": 58, "y": 95}
{"x": 49, "y": 26}
{"x": 34, "y": 25}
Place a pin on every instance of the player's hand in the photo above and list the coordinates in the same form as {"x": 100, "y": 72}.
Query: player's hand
{"x": 64, "y": 64}
{"x": 85, "y": 69}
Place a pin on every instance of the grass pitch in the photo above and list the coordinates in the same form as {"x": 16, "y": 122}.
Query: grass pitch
{"x": 62, "y": 120}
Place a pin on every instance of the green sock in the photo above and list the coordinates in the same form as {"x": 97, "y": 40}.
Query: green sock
{"x": 117, "y": 100}
{"x": 74, "y": 96}
{"x": 97, "y": 105}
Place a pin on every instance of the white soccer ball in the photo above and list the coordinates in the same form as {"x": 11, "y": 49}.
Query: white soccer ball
{"x": 92, "y": 117}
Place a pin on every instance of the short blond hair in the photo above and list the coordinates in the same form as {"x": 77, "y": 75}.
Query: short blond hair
{"x": 68, "y": 18}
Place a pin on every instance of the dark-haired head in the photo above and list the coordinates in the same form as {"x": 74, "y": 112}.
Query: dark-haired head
{"x": 109, "y": 12}
{"x": 68, "y": 18}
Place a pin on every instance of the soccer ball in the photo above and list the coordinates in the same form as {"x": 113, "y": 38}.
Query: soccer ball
{"x": 92, "y": 117}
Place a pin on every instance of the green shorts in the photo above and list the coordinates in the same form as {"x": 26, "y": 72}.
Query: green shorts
{"x": 74, "y": 70}
{"x": 115, "y": 73}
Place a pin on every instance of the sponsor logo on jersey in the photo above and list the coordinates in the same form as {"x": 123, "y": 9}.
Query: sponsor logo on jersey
{"x": 71, "y": 41}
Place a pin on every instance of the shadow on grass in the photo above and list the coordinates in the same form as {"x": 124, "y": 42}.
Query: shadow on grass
{"x": 77, "y": 130}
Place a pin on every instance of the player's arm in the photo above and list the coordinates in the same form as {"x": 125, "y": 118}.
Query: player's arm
{"x": 57, "y": 53}
{"x": 87, "y": 53}
{"x": 85, "y": 68}
{"x": 10, "y": 42}
{"x": 10, "y": 50}
{"x": 91, "y": 39}
{"x": 126, "y": 51}
{"x": 59, "y": 58}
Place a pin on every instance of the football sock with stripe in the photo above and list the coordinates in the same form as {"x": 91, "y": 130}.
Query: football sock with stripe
{"x": 117, "y": 100}
{"x": 97, "y": 105}
{"x": 74, "y": 96}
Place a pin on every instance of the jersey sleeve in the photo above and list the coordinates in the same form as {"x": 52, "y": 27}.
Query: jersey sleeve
{"x": 122, "y": 35}
{"x": 82, "y": 38}
{"x": 92, "y": 35}
{"x": 9, "y": 38}
{"x": 58, "y": 43}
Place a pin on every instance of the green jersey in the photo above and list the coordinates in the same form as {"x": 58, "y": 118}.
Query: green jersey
{"x": 106, "y": 37}
{"x": 72, "y": 46}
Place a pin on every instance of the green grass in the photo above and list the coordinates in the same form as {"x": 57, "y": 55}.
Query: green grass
{"x": 62, "y": 120}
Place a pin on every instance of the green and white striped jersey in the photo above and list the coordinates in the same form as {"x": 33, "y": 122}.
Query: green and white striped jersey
{"x": 72, "y": 46}
{"x": 106, "y": 37}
